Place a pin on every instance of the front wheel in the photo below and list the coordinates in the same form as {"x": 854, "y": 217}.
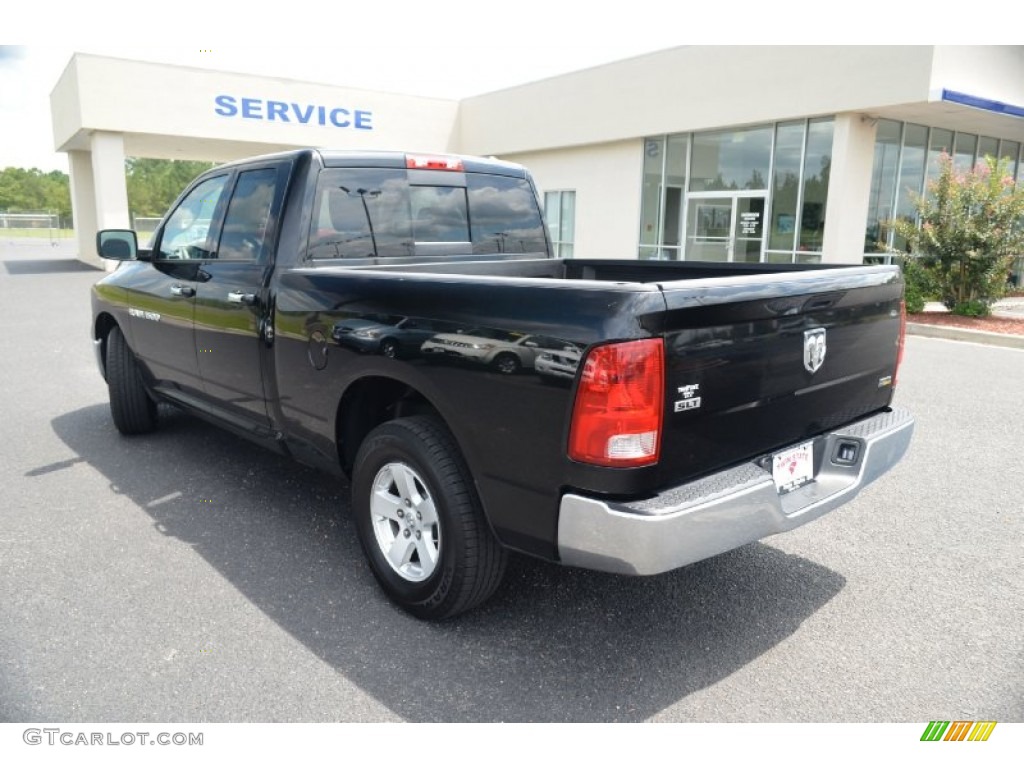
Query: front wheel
{"x": 420, "y": 522}
{"x": 507, "y": 363}
{"x": 131, "y": 407}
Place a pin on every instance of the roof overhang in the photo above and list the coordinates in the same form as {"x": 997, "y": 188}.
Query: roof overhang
{"x": 960, "y": 111}
{"x": 179, "y": 112}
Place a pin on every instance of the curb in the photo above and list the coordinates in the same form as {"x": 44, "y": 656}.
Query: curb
{"x": 964, "y": 334}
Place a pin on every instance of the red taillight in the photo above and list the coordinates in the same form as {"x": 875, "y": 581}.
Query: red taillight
{"x": 433, "y": 163}
{"x": 902, "y": 341}
{"x": 617, "y": 417}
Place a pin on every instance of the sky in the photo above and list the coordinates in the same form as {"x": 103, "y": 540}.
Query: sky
{"x": 444, "y": 48}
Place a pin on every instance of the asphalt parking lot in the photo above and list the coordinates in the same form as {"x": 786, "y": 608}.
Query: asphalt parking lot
{"x": 190, "y": 576}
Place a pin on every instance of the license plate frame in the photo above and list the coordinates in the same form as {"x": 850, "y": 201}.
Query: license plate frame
{"x": 793, "y": 467}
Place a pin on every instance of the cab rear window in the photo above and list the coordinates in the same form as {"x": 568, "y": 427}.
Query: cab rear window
{"x": 439, "y": 214}
{"x": 504, "y": 216}
{"x": 376, "y": 212}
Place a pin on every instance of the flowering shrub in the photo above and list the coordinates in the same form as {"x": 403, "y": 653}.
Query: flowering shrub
{"x": 918, "y": 283}
{"x": 970, "y": 226}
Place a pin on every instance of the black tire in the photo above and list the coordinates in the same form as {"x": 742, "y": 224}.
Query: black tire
{"x": 468, "y": 562}
{"x": 389, "y": 348}
{"x": 131, "y": 407}
{"x": 507, "y": 363}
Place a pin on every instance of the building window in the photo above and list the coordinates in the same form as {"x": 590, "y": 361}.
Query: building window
{"x": 748, "y": 194}
{"x": 731, "y": 160}
{"x": 789, "y": 150}
{"x": 817, "y": 168}
{"x": 560, "y": 213}
{"x": 666, "y": 159}
{"x": 913, "y": 152}
{"x": 1010, "y": 151}
{"x": 940, "y": 143}
{"x": 965, "y": 151}
{"x": 882, "y": 197}
{"x": 650, "y": 197}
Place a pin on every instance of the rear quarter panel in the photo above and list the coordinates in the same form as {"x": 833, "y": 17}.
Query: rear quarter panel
{"x": 512, "y": 428}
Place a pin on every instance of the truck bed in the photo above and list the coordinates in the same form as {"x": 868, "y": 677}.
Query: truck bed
{"x": 734, "y": 337}
{"x": 601, "y": 270}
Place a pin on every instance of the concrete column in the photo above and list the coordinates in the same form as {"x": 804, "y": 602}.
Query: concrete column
{"x": 106, "y": 203}
{"x": 83, "y": 206}
{"x": 109, "y": 182}
{"x": 849, "y": 187}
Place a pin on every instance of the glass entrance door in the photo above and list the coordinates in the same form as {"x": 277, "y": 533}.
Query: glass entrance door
{"x": 747, "y": 228}
{"x": 725, "y": 228}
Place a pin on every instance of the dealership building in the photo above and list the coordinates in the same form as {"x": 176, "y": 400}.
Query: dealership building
{"x": 776, "y": 154}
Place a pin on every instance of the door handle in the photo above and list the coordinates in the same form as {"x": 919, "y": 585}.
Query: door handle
{"x": 237, "y": 297}
{"x": 183, "y": 290}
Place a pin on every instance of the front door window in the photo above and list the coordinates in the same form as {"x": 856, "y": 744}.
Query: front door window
{"x": 186, "y": 235}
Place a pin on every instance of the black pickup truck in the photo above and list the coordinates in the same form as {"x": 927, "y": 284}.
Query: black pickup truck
{"x": 399, "y": 319}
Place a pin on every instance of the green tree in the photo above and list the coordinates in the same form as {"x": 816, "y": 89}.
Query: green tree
{"x": 154, "y": 184}
{"x": 29, "y": 190}
{"x": 57, "y": 193}
{"x": 969, "y": 227}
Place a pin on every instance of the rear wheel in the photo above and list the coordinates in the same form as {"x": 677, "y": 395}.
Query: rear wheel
{"x": 405, "y": 522}
{"x": 420, "y": 522}
{"x": 131, "y": 407}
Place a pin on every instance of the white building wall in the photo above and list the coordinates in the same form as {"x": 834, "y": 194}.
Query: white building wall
{"x": 606, "y": 179}
{"x": 693, "y": 88}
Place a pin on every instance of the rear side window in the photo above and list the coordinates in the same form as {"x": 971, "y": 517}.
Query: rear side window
{"x": 361, "y": 213}
{"x": 245, "y": 225}
{"x": 369, "y": 212}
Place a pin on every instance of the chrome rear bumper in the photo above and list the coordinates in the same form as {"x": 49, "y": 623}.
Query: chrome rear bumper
{"x": 728, "y": 509}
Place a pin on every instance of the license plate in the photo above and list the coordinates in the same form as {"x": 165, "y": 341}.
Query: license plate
{"x": 794, "y": 467}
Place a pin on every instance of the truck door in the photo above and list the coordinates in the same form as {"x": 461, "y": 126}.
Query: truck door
{"x": 162, "y": 298}
{"x": 231, "y": 312}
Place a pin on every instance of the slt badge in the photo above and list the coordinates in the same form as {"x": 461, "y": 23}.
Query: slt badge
{"x": 814, "y": 349}
{"x": 689, "y": 402}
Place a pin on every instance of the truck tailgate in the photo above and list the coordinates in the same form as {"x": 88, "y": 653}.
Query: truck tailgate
{"x": 754, "y": 364}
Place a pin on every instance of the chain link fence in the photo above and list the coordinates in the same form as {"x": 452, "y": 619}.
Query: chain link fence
{"x": 35, "y": 224}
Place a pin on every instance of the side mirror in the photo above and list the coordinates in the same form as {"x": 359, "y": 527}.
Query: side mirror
{"x": 117, "y": 244}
